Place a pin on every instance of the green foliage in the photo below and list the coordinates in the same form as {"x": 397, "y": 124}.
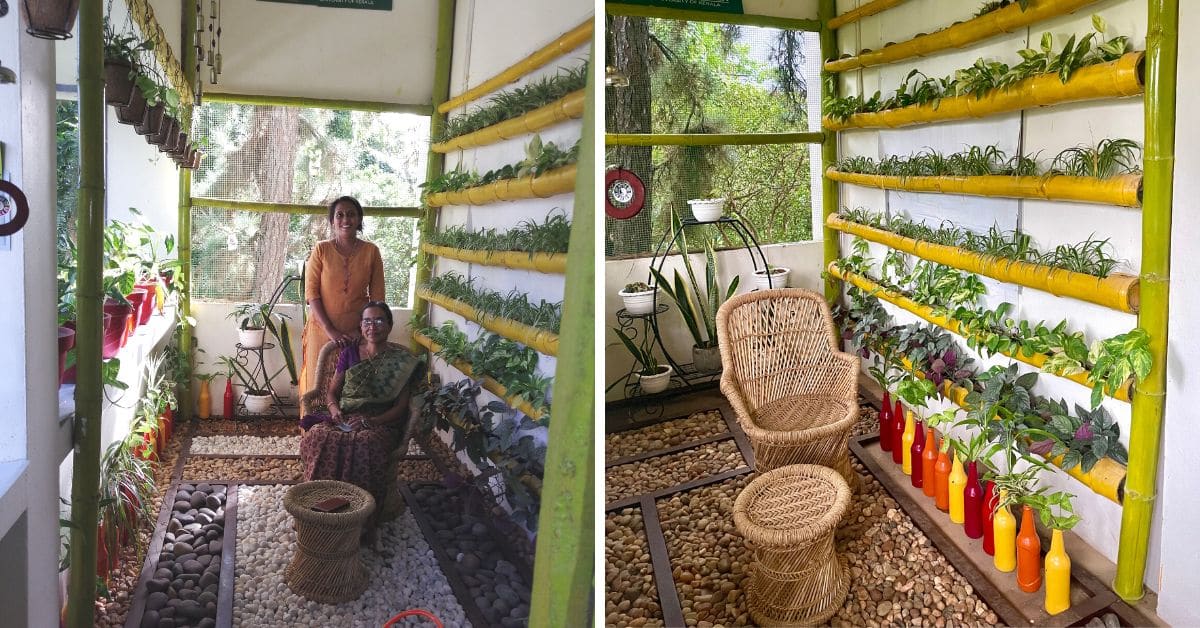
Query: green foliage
{"x": 643, "y": 356}
{"x": 1115, "y": 360}
{"x": 996, "y": 5}
{"x": 1046, "y": 506}
{"x": 513, "y": 306}
{"x": 699, "y": 313}
{"x": 512, "y": 365}
{"x": 1085, "y": 438}
{"x": 517, "y": 101}
{"x": 1111, "y": 157}
{"x": 551, "y": 236}
{"x": 539, "y": 159}
{"x": 125, "y": 497}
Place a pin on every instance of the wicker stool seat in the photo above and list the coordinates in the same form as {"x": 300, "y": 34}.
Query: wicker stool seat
{"x": 326, "y": 567}
{"x": 788, "y": 517}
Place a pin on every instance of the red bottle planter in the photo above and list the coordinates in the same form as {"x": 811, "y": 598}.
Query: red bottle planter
{"x": 989, "y": 507}
{"x": 1029, "y": 554}
{"x": 885, "y": 423}
{"x": 973, "y": 503}
{"x": 227, "y": 407}
{"x": 929, "y": 464}
{"x": 897, "y": 431}
{"x": 918, "y": 456}
{"x": 137, "y": 299}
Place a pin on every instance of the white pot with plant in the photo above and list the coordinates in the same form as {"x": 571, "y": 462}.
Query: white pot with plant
{"x": 256, "y": 385}
{"x": 639, "y": 297}
{"x": 652, "y": 376}
{"x": 771, "y": 277}
{"x": 251, "y": 319}
{"x": 707, "y": 209}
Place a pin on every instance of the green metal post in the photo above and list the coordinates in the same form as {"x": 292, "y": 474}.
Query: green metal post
{"x": 563, "y": 564}
{"x": 1149, "y": 398}
{"x": 85, "y": 471}
{"x": 437, "y": 121}
{"x": 829, "y": 188}
{"x": 184, "y": 237}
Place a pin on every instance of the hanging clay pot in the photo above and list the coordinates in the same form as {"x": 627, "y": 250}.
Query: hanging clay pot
{"x": 118, "y": 82}
{"x": 1029, "y": 554}
{"x": 918, "y": 456}
{"x": 50, "y": 20}
{"x": 135, "y": 111}
{"x": 1058, "y": 576}
{"x": 973, "y": 502}
{"x": 885, "y": 423}
{"x": 151, "y": 120}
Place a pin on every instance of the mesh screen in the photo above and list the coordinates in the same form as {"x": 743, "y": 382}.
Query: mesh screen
{"x": 695, "y": 77}
{"x": 302, "y": 156}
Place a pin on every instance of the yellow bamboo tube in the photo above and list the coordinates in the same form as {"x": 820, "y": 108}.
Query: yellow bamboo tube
{"x": 518, "y": 260}
{"x": 493, "y": 386}
{"x": 1107, "y": 477}
{"x": 1123, "y": 190}
{"x": 1118, "y": 291}
{"x": 541, "y": 340}
{"x": 866, "y": 10}
{"x": 1006, "y": 20}
{"x": 565, "y": 43}
{"x": 1037, "y": 360}
{"x": 1115, "y": 79}
{"x": 557, "y": 181}
{"x": 565, "y": 108}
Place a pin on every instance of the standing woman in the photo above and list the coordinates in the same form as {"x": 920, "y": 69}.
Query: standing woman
{"x": 343, "y": 273}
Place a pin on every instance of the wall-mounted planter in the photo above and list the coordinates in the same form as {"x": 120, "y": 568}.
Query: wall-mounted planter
{"x": 866, "y": 10}
{"x": 540, "y": 340}
{"x": 557, "y": 181}
{"x": 488, "y": 383}
{"x": 135, "y": 111}
{"x": 152, "y": 119}
{"x": 1115, "y": 79}
{"x": 118, "y": 82}
{"x": 1123, "y": 190}
{"x": 1006, "y": 20}
{"x": 519, "y": 260}
{"x": 565, "y": 108}
{"x": 1117, "y": 291}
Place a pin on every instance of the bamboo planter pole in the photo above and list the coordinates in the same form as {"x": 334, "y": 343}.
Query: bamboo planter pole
{"x": 566, "y": 108}
{"x": 565, "y": 43}
{"x": 1122, "y": 190}
{"x": 1115, "y": 79}
{"x": 866, "y": 10}
{"x": 297, "y": 209}
{"x": 184, "y": 222}
{"x": 1037, "y": 360}
{"x": 557, "y": 181}
{"x": 1145, "y": 434}
{"x": 1006, "y": 20}
{"x": 552, "y": 263}
{"x": 493, "y": 386}
{"x": 829, "y": 150}
{"x": 1117, "y": 291}
{"x": 541, "y": 340}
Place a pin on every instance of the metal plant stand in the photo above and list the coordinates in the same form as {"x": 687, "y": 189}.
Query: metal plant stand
{"x": 252, "y": 359}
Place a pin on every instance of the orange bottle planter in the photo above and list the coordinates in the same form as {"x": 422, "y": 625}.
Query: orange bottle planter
{"x": 204, "y": 401}
{"x": 1058, "y": 576}
{"x": 1029, "y": 554}
{"x": 929, "y": 457}
{"x": 941, "y": 480}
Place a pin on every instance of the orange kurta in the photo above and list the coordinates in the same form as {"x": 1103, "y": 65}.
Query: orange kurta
{"x": 344, "y": 284}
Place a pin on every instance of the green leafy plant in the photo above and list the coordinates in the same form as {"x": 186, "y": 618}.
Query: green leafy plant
{"x": 699, "y": 312}
{"x": 1110, "y": 157}
{"x": 996, "y": 5}
{"x": 126, "y": 491}
{"x": 254, "y": 381}
{"x": 637, "y": 286}
{"x": 648, "y": 364}
{"x": 917, "y": 393}
{"x": 1115, "y": 360}
{"x": 513, "y": 306}
{"x": 512, "y": 365}
{"x": 1050, "y": 505}
{"x": 517, "y": 101}
{"x": 551, "y": 236}
{"x": 1082, "y": 440}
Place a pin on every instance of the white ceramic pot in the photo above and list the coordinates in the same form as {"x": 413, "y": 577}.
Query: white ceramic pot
{"x": 778, "y": 280}
{"x": 707, "y": 209}
{"x": 638, "y": 302}
{"x": 258, "y": 404}
{"x": 251, "y": 338}
{"x": 651, "y": 384}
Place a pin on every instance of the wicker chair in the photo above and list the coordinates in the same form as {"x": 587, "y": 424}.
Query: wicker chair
{"x": 794, "y": 393}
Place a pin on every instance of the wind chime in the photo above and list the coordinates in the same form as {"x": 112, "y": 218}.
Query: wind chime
{"x": 209, "y": 54}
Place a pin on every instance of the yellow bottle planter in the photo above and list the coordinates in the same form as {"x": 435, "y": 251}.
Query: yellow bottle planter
{"x": 519, "y": 260}
{"x": 557, "y": 181}
{"x": 906, "y": 441}
{"x": 1006, "y": 20}
{"x": 488, "y": 383}
{"x": 541, "y": 340}
{"x": 1123, "y": 190}
{"x": 1058, "y": 576}
{"x": 565, "y": 108}
{"x": 1004, "y": 537}
{"x": 1036, "y": 360}
{"x": 1115, "y": 79}
{"x": 866, "y": 10}
{"x": 958, "y": 482}
{"x": 1117, "y": 291}
{"x": 204, "y": 401}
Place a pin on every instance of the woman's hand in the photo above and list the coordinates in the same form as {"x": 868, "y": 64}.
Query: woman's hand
{"x": 335, "y": 413}
{"x": 342, "y": 340}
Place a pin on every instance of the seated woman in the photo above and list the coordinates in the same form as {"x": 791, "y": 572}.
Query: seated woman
{"x": 367, "y": 410}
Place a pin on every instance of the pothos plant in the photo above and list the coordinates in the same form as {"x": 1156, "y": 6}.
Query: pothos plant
{"x": 1056, "y": 509}
{"x": 917, "y": 393}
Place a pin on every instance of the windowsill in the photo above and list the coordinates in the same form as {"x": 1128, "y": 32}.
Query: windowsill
{"x": 13, "y": 500}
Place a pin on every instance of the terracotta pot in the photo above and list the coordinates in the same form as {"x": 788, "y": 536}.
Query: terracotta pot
{"x": 66, "y": 340}
{"x": 118, "y": 84}
{"x": 50, "y": 19}
{"x": 135, "y": 111}
{"x": 168, "y": 128}
{"x": 116, "y": 327}
{"x": 152, "y": 120}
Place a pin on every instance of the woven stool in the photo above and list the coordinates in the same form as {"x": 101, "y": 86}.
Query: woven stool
{"x": 326, "y": 567}
{"x": 788, "y": 516}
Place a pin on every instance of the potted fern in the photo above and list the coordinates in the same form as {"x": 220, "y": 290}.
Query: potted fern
{"x": 652, "y": 376}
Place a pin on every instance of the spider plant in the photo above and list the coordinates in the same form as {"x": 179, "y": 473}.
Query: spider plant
{"x": 1109, "y": 158}
{"x": 539, "y": 158}
{"x": 996, "y": 5}
{"x": 551, "y": 236}
{"x": 513, "y": 306}
{"x": 515, "y": 102}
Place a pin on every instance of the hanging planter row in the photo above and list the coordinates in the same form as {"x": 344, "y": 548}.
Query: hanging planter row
{"x": 1037, "y": 360}
{"x": 542, "y": 341}
{"x": 566, "y": 108}
{"x": 866, "y": 10}
{"x": 555, "y": 263}
{"x": 1121, "y": 190}
{"x": 554, "y": 182}
{"x": 1117, "y": 291}
{"x": 1005, "y": 20}
{"x": 489, "y": 383}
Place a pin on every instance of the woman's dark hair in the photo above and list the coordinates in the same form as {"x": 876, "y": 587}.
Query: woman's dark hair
{"x": 347, "y": 199}
{"x": 387, "y": 311}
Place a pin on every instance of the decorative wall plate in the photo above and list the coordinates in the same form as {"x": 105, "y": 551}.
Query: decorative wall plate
{"x": 624, "y": 193}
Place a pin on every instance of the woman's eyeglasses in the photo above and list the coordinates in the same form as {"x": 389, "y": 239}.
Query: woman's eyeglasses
{"x": 377, "y": 321}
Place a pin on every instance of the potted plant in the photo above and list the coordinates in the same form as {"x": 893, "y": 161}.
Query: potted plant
{"x": 50, "y": 19}
{"x": 121, "y": 62}
{"x": 1058, "y": 563}
{"x": 771, "y": 277}
{"x": 707, "y": 209}
{"x": 639, "y": 298}
{"x": 252, "y": 326}
{"x": 652, "y": 376}
{"x": 126, "y": 489}
{"x": 255, "y": 384}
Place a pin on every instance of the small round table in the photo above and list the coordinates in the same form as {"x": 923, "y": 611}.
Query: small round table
{"x": 326, "y": 567}
{"x": 789, "y": 515}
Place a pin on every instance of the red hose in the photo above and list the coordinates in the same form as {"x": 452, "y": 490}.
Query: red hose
{"x": 414, "y": 611}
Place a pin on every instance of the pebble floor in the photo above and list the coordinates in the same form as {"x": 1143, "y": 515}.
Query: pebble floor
{"x": 897, "y": 576}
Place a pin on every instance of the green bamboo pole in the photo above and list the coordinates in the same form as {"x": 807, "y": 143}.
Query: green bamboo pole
{"x": 318, "y": 103}
{"x": 711, "y": 139}
{"x": 85, "y": 469}
{"x": 299, "y": 209}
{"x": 562, "y": 569}
{"x": 184, "y": 237}
{"x": 1149, "y": 398}
{"x": 437, "y": 121}
{"x": 670, "y": 13}
{"x": 829, "y": 188}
